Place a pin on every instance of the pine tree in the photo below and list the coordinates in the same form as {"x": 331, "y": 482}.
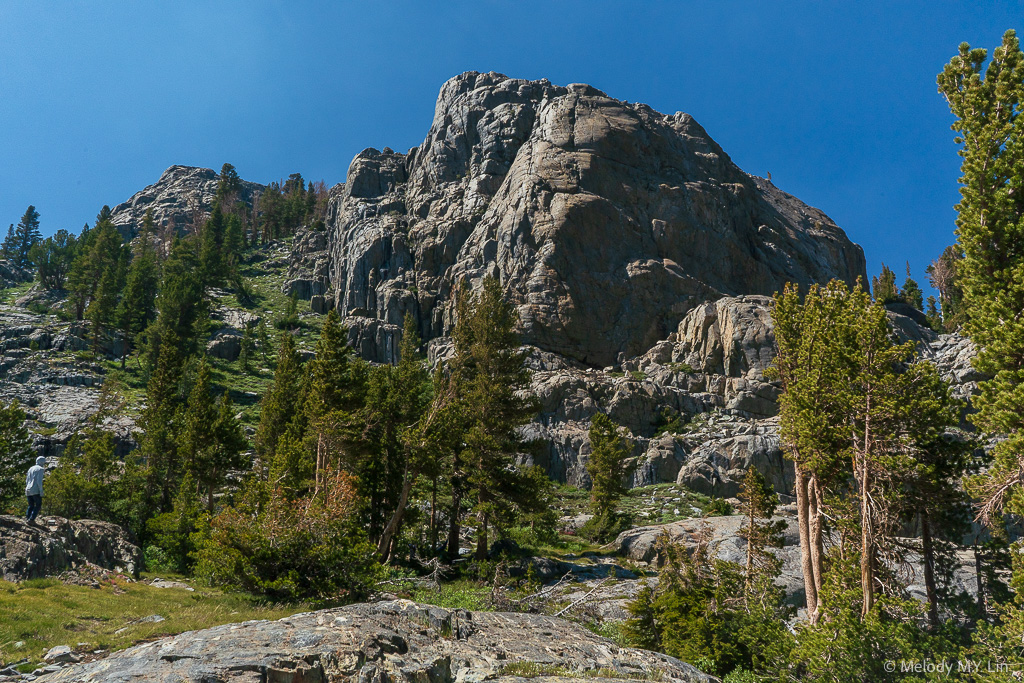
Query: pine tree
{"x": 53, "y": 258}
{"x": 228, "y": 185}
{"x": 182, "y": 311}
{"x": 20, "y": 239}
{"x": 278, "y": 407}
{"x": 335, "y": 392}
{"x": 883, "y": 287}
{"x": 987, "y": 101}
{"x": 211, "y": 250}
{"x": 99, "y": 255}
{"x": 395, "y": 409}
{"x": 987, "y": 98}
{"x": 16, "y": 454}
{"x": 933, "y": 314}
{"x": 211, "y": 440}
{"x": 911, "y": 293}
{"x": 9, "y": 248}
{"x": 248, "y": 346}
{"x": 493, "y": 385}
{"x": 137, "y": 309}
{"x": 943, "y": 276}
{"x": 234, "y": 241}
{"x": 607, "y": 465}
{"x": 160, "y": 422}
{"x": 758, "y": 502}
{"x": 814, "y": 338}
{"x": 175, "y": 530}
{"x": 262, "y": 339}
{"x": 855, "y": 404}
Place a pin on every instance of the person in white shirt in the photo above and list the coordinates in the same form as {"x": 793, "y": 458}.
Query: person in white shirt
{"x": 34, "y": 488}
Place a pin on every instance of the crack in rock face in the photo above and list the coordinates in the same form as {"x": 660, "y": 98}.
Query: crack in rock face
{"x": 384, "y": 642}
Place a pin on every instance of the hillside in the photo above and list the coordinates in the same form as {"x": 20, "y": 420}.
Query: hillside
{"x": 568, "y": 261}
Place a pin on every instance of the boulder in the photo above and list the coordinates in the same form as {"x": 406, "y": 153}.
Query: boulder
{"x": 54, "y": 545}
{"x": 226, "y": 344}
{"x": 61, "y": 654}
{"x": 398, "y": 641}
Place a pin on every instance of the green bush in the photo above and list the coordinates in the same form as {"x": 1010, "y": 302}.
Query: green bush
{"x": 603, "y": 528}
{"x": 155, "y": 559}
{"x": 718, "y": 507}
{"x": 703, "y": 612}
{"x": 289, "y": 550}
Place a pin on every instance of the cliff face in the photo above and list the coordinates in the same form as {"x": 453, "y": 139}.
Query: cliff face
{"x": 606, "y": 222}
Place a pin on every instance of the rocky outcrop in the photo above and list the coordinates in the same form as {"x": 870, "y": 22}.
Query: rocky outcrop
{"x": 182, "y": 196}
{"x": 398, "y": 641}
{"x": 54, "y": 545}
{"x": 11, "y": 274}
{"x": 308, "y": 272}
{"x": 605, "y": 221}
{"x": 59, "y": 388}
{"x": 706, "y": 382}
{"x": 641, "y": 545}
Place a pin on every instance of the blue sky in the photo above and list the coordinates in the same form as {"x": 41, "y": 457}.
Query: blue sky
{"x": 836, "y": 100}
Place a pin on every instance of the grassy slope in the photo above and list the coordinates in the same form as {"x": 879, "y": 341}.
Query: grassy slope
{"x": 44, "y": 613}
{"x": 245, "y": 387}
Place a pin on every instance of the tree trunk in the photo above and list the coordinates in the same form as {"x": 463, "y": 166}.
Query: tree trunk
{"x": 481, "y": 538}
{"x": 750, "y": 546}
{"x": 803, "y": 521}
{"x": 817, "y": 544}
{"x": 433, "y": 519}
{"x": 453, "y": 522}
{"x": 928, "y": 551}
{"x": 319, "y": 463}
{"x": 867, "y": 522}
{"x": 982, "y": 602}
{"x": 867, "y": 541}
{"x": 391, "y": 530}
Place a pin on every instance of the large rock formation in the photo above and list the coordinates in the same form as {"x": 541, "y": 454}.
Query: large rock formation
{"x": 605, "y": 221}
{"x": 640, "y": 544}
{"x": 697, "y": 404}
{"x": 182, "y": 196}
{"x": 396, "y": 641}
{"x": 54, "y": 545}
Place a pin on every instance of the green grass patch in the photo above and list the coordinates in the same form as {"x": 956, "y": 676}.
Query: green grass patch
{"x": 459, "y": 594}
{"x": 543, "y": 669}
{"x": 681, "y": 367}
{"x": 43, "y": 613}
{"x": 663, "y": 503}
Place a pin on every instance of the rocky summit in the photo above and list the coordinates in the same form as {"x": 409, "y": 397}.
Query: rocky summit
{"x": 606, "y": 222}
{"x": 397, "y": 641}
{"x": 179, "y": 199}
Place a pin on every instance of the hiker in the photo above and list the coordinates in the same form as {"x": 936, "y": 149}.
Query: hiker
{"x": 34, "y": 488}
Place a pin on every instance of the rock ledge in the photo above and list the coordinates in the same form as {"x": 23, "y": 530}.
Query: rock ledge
{"x": 381, "y": 643}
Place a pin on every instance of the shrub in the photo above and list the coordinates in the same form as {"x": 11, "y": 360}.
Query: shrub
{"x": 291, "y": 549}
{"x": 718, "y": 507}
{"x": 604, "y": 527}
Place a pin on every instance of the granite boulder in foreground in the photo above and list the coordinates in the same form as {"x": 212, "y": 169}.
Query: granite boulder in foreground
{"x": 398, "y": 641}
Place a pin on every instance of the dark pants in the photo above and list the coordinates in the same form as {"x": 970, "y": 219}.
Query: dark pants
{"x": 35, "y": 503}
